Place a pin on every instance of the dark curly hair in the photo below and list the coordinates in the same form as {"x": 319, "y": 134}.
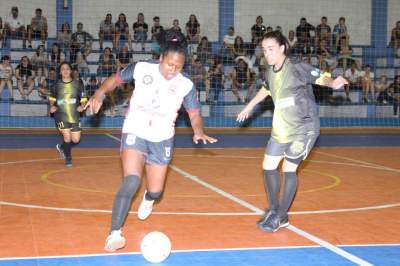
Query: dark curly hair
{"x": 172, "y": 40}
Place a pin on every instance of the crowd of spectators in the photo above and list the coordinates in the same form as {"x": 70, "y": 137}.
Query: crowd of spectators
{"x": 236, "y": 65}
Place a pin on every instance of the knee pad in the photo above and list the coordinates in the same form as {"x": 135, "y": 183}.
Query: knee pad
{"x": 153, "y": 195}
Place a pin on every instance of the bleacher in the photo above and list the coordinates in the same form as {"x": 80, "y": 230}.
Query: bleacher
{"x": 227, "y": 105}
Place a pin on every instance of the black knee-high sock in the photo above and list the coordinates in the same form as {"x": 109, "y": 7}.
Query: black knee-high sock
{"x": 67, "y": 149}
{"x": 123, "y": 200}
{"x": 289, "y": 192}
{"x": 272, "y": 184}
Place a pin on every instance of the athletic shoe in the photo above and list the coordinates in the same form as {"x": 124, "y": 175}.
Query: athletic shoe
{"x": 68, "y": 162}
{"x": 61, "y": 151}
{"x": 274, "y": 223}
{"x": 267, "y": 215}
{"x": 114, "y": 241}
{"x": 145, "y": 208}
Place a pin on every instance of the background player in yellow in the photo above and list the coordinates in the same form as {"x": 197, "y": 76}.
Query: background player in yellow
{"x": 67, "y": 99}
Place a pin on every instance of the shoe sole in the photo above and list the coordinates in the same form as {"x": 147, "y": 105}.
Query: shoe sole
{"x": 113, "y": 246}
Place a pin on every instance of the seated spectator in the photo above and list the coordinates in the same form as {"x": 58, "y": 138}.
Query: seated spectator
{"x": 175, "y": 25}
{"x": 204, "y": 51}
{"x": 323, "y": 32}
{"x": 198, "y": 75}
{"x": 323, "y": 94}
{"x": 106, "y": 63}
{"x": 1, "y": 30}
{"x": 227, "y": 53}
{"x": 305, "y": 33}
{"x": 239, "y": 48}
{"x": 193, "y": 29}
{"x": 80, "y": 65}
{"x": 64, "y": 40}
{"x": 77, "y": 76}
{"x": 242, "y": 79}
{"x": 140, "y": 29}
{"x": 260, "y": 58}
{"x": 395, "y": 39}
{"x": 367, "y": 83}
{"x": 38, "y": 28}
{"x": 122, "y": 31}
{"x": 81, "y": 42}
{"x": 48, "y": 83}
{"x": 24, "y": 74}
{"x": 14, "y": 27}
{"x": 56, "y": 56}
{"x": 394, "y": 90}
{"x": 6, "y": 74}
{"x": 345, "y": 53}
{"x": 324, "y": 52}
{"x": 382, "y": 89}
{"x": 156, "y": 28}
{"x": 292, "y": 39}
{"x": 92, "y": 86}
{"x": 124, "y": 58}
{"x": 39, "y": 63}
{"x": 340, "y": 32}
{"x": 107, "y": 31}
{"x": 257, "y": 31}
{"x": 215, "y": 82}
{"x": 353, "y": 75}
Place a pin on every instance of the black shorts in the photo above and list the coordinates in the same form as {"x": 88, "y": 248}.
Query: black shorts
{"x": 74, "y": 127}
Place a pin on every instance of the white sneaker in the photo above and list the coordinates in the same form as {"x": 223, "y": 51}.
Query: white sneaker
{"x": 114, "y": 241}
{"x": 145, "y": 208}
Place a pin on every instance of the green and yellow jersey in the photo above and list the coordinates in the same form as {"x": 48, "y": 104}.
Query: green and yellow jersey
{"x": 67, "y": 97}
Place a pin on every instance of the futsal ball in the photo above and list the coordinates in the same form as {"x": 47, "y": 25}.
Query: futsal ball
{"x": 155, "y": 247}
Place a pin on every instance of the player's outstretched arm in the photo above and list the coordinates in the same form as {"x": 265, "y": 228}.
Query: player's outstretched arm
{"x": 96, "y": 101}
{"x": 198, "y": 133}
{"x": 245, "y": 113}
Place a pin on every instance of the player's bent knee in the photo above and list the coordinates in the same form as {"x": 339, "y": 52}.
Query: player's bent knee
{"x": 291, "y": 164}
{"x": 271, "y": 162}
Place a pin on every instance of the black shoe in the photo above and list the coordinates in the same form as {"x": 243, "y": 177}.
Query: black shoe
{"x": 274, "y": 223}
{"x": 61, "y": 151}
{"x": 68, "y": 162}
{"x": 267, "y": 215}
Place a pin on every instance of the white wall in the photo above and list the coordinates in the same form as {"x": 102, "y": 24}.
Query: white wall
{"x": 26, "y": 9}
{"x": 92, "y": 12}
{"x": 287, "y": 14}
{"x": 393, "y": 15}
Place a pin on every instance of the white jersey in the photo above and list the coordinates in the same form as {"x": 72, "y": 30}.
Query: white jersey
{"x": 155, "y": 101}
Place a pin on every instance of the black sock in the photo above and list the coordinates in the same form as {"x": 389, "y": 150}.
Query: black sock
{"x": 272, "y": 185}
{"x": 123, "y": 201}
{"x": 289, "y": 192}
{"x": 66, "y": 146}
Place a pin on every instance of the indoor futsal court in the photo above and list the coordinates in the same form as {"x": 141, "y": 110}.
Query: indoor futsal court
{"x": 112, "y": 79}
{"x": 346, "y": 211}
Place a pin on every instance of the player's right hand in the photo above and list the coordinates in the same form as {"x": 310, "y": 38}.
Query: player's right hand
{"x": 95, "y": 102}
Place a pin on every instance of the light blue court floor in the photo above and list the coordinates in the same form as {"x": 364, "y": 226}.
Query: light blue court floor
{"x": 388, "y": 255}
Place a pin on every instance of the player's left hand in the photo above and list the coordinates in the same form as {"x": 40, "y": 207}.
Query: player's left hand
{"x": 339, "y": 82}
{"x": 204, "y": 138}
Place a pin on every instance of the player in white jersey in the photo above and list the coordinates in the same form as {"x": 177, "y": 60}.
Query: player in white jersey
{"x": 148, "y": 130}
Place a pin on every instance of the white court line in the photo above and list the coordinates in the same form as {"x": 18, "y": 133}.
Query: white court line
{"x": 32, "y": 206}
{"x": 359, "y": 161}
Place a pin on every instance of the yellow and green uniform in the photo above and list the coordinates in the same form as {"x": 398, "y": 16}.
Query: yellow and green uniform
{"x": 67, "y": 96}
{"x": 295, "y": 112}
